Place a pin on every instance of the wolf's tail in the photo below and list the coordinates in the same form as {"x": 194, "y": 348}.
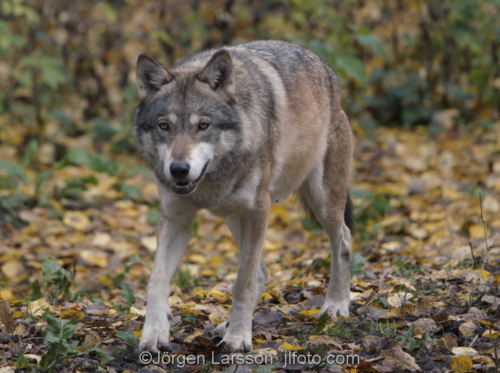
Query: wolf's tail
{"x": 349, "y": 214}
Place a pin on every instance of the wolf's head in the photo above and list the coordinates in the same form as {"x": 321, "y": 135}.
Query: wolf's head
{"x": 186, "y": 121}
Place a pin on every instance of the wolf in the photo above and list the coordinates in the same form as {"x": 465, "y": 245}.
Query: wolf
{"x": 234, "y": 130}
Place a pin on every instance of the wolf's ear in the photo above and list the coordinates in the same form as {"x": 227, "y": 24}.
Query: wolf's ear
{"x": 218, "y": 73}
{"x": 151, "y": 75}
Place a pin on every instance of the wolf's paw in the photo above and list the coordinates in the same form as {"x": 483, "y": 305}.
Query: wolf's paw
{"x": 335, "y": 308}
{"x": 220, "y": 329}
{"x": 155, "y": 338}
{"x": 236, "y": 343}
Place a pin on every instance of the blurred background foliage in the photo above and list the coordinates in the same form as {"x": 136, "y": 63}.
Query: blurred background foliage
{"x": 67, "y": 71}
{"x": 67, "y": 67}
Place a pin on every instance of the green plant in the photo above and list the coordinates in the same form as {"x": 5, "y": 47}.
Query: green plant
{"x": 372, "y": 208}
{"x": 410, "y": 343}
{"x": 59, "y": 334}
{"x": 357, "y": 263}
{"x": 128, "y": 295}
{"x": 57, "y": 280}
{"x": 184, "y": 279}
{"x": 341, "y": 329}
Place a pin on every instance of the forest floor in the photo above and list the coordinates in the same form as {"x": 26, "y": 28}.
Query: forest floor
{"x": 78, "y": 242}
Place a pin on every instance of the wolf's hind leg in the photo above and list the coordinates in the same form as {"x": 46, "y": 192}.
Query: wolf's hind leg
{"x": 325, "y": 192}
{"x": 330, "y": 214}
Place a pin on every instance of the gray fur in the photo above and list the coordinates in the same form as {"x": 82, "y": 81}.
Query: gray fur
{"x": 255, "y": 122}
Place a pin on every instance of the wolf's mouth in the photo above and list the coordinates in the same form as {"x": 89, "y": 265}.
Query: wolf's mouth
{"x": 187, "y": 187}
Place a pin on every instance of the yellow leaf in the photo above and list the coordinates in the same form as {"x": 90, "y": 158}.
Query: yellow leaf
{"x": 77, "y": 220}
{"x": 137, "y": 311}
{"x": 216, "y": 261}
{"x": 37, "y": 307}
{"x": 18, "y": 315}
{"x": 309, "y": 312}
{"x": 287, "y": 346}
{"x": 201, "y": 293}
{"x": 483, "y": 273}
{"x": 265, "y": 296}
{"x": 390, "y": 220}
{"x": 71, "y": 314}
{"x": 138, "y": 334}
{"x": 461, "y": 364}
{"x": 493, "y": 334}
{"x": 95, "y": 257}
{"x": 476, "y": 231}
{"x": 196, "y": 258}
{"x": 486, "y": 323}
{"x": 14, "y": 270}
{"x": 56, "y": 205}
{"x": 208, "y": 273}
{"x": 217, "y": 295}
{"x": 106, "y": 281}
{"x": 6, "y": 294}
{"x": 190, "y": 338}
{"x": 150, "y": 192}
{"x": 277, "y": 296}
{"x": 281, "y": 212}
{"x": 193, "y": 312}
{"x": 219, "y": 315}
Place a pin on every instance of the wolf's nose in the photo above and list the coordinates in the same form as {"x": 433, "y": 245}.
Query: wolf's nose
{"x": 179, "y": 170}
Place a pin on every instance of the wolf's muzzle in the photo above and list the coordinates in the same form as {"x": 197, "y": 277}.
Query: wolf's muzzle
{"x": 187, "y": 187}
{"x": 179, "y": 170}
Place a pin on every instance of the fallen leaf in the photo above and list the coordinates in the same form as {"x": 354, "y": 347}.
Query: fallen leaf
{"x": 37, "y": 307}
{"x": 422, "y": 326}
{"x": 92, "y": 339}
{"x": 467, "y": 329}
{"x": 309, "y": 313}
{"x": 493, "y": 334}
{"x": 400, "y": 359}
{"x": 77, "y": 220}
{"x": 101, "y": 240}
{"x": 95, "y": 257}
{"x": 289, "y": 347}
{"x": 34, "y": 357}
{"x": 461, "y": 364}
{"x": 149, "y": 243}
{"x": 464, "y": 351}
{"x": 5, "y": 316}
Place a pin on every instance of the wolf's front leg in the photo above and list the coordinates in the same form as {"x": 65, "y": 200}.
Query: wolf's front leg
{"x": 174, "y": 234}
{"x": 246, "y": 289}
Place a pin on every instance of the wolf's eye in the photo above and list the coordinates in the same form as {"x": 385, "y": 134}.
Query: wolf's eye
{"x": 203, "y": 125}
{"x": 164, "y": 125}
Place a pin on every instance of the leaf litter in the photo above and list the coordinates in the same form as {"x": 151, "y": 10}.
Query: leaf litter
{"x": 425, "y": 270}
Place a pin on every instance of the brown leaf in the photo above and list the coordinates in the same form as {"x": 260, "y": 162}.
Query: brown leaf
{"x": 468, "y": 329}
{"x": 400, "y": 359}
{"x": 5, "y": 315}
{"x": 92, "y": 338}
{"x": 447, "y": 343}
{"x": 424, "y": 325}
